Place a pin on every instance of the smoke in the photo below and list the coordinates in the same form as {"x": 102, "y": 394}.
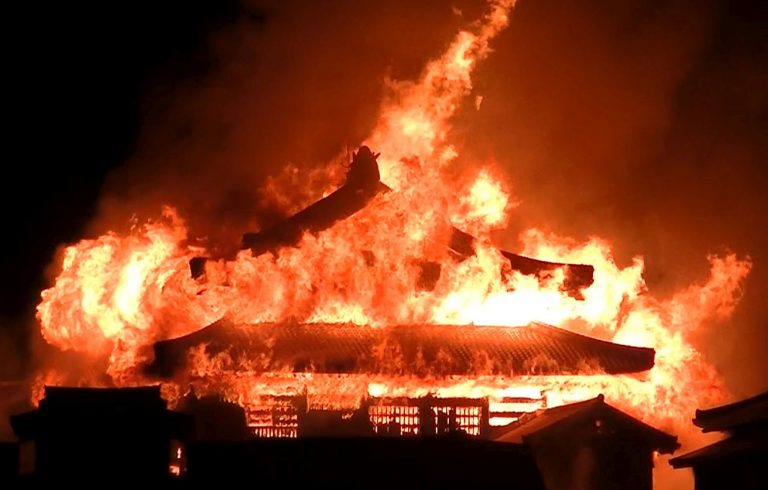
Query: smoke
{"x": 639, "y": 123}
{"x": 13, "y": 395}
{"x": 644, "y": 124}
{"x": 293, "y": 83}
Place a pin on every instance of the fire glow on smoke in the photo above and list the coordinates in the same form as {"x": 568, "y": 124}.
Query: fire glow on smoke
{"x": 117, "y": 294}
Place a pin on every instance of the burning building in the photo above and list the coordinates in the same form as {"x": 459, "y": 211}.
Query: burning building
{"x": 331, "y": 359}
{"x": 737, "y": 461}
{"x": 340, "y": 356}
{"x": 381, "y": 305}
{"x": 591, "y": 444}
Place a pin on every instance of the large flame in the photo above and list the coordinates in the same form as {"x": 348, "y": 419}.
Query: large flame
{"x": 115, "y": 295}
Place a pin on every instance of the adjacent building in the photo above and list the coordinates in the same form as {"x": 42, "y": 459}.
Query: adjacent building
{"x": 102, "y": 434}
{"x": 590, "y": 445}
{"x": 740, "y": 460}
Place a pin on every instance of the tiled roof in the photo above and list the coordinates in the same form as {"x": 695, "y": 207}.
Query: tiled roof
{"x": 534, "y": 349}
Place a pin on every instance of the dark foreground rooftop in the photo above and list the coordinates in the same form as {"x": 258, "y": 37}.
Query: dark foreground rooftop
{"x": 739, "y": 460}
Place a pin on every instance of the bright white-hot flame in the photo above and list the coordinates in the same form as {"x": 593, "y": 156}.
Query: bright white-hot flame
{"x": 483, "y": 207}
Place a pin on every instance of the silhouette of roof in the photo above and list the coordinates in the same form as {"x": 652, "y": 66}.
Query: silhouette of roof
{"x": 725, "y": 449}
{"x": 728, "y": 417}
{"x": 747, "y": 420}
{"x": 361, "y": 187}
{"x": 534, "y": 349}
{"x": 76, "y": 397}
{"x": 65, "y": 408}
{"x": 593, "y": 412}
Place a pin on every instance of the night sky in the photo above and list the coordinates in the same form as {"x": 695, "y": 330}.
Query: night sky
{"x": 80, "y": 74}
{"x": 642, "y": 123}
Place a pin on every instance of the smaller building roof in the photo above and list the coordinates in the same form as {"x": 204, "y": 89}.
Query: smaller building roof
{"x": 593, "y": 412}
{"x": 725, "y": 449}
{"x": 728, "y": 417}
{"x": 135, "y": 396}
{"x": 76, "y": 409}
{"x": 746, "y": 420}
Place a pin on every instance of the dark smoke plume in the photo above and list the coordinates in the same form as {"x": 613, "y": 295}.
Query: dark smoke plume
{"x": 641, "y": 123}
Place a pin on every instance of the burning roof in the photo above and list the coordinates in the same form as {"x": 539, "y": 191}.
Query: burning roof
{"x": 534, "y": 349}
{"x": 361, "y": 186}
{"x": 401, "y": 249}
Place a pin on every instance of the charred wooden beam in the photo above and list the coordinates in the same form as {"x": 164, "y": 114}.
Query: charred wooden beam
{"x": 577, "y": 276}
{"x": 361, "y": 186}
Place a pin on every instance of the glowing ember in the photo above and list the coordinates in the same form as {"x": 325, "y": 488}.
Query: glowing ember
{"x": 115, "y": 295}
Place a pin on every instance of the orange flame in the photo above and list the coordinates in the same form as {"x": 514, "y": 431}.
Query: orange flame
{"x": 117, "y": 294}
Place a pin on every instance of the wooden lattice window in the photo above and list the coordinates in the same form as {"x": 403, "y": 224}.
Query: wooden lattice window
{"x": 275, "y": 418}
{"x": 394, "y": 420}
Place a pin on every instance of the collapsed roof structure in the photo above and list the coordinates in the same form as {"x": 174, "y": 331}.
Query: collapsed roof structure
{"x": 361, "y": 186}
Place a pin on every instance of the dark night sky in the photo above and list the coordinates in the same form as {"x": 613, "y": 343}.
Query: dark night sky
{"x": 75, "y": 77}
{"x": 651, "y": 119}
